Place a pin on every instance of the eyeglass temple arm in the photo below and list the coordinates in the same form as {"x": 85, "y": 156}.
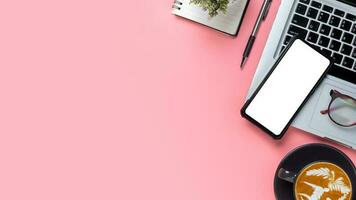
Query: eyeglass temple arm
{"x": 335, "y": 93}
{"x": 326, "y": 111}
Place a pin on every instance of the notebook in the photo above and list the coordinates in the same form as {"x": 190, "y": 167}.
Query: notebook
{"x": 228, "y": 22}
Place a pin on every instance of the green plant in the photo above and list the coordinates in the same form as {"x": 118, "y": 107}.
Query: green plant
{"x": 212, "y": 6}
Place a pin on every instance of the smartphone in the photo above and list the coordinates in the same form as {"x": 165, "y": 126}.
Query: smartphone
{"x": 286, "y": 88}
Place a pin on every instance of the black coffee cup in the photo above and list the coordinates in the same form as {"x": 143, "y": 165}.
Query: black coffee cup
{"x": 298, "y": 159}
{"x": 337, "y": 181}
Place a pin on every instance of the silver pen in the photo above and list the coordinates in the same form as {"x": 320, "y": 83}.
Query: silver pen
{"x": 261, "y": 17}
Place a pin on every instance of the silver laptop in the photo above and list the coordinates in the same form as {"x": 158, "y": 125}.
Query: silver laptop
{"x": 331, "y": 26}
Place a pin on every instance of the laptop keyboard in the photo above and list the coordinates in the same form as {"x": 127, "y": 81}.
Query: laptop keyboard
{"x": 329, "y": 29}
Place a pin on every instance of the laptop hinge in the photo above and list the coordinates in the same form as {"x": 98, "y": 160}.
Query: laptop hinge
{"x": 345, "y": 145}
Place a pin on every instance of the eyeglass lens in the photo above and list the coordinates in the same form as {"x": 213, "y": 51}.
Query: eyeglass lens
{"x": 343, "y": 111}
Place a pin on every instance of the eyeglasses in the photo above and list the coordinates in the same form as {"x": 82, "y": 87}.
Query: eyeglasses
{"x": 342, "y": 109}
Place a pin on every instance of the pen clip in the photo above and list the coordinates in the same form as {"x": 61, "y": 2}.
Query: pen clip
{"x": 267, "y": 10}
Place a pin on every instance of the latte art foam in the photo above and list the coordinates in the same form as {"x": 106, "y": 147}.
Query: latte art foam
{"x": 323, "y": 181}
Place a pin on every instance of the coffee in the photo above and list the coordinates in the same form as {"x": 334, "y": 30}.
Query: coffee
{"x": 323, "y": 181}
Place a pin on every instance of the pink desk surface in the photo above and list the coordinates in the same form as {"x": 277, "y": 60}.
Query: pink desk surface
{"x": 122, "y": 100}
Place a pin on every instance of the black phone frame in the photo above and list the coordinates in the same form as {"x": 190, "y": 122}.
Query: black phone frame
{"x": 248, "y": 102}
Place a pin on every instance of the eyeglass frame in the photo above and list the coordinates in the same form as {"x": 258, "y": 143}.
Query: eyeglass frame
{"x": 334, "y": 94}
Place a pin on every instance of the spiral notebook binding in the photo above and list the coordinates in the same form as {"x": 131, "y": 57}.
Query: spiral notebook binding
{"x": 177, "y": 4}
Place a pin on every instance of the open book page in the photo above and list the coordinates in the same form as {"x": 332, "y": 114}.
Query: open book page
{"x": 227, "y": 22}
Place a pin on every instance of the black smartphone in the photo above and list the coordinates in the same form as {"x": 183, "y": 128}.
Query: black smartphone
{"x": 286, "y": 88}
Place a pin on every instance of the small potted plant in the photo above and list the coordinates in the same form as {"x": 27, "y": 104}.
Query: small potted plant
{"x": 213, "y": 7}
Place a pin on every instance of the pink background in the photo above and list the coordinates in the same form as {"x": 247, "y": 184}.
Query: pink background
{"x": 122, "y": 100}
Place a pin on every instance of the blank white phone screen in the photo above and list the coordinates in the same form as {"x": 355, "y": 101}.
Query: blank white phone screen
{"x": 287, "y": 87}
